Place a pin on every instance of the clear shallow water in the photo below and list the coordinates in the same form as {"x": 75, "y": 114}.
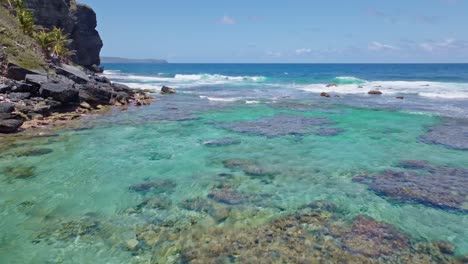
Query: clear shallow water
{"x": 77, "y": 206}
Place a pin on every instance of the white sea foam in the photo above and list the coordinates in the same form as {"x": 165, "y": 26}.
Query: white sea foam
{"x": 421, "y": 88}
{"x": 182, "y": 80}
{"x": 220, "y": 99}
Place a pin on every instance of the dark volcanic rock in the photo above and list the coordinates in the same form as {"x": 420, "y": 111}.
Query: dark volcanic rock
{"x": 73, "y": 73}
{"x": 15, "y": 97}
{"x": 22, "y": 87}
{"x": 94, "y": 93}
{"x": 9, "y": 123}
{"x": 167, "y": 90}
{"x": 221, "y": 142}
{"x": 324, "y": 94}
{"x": 441, "y": 187}
{"x": 86, "y": 39}
{"x": 36, "y": 80}
{"x": 453, "y": 134}
{"x": 279, "y": 125}
{"x": 18, "y": 73}
{"x": 60, "y": 92}
{"x": 75, "y": 19}
{"x": 375, "y": 92}
{"x": 5, "y": 88}
{"x": 6, "y": 107}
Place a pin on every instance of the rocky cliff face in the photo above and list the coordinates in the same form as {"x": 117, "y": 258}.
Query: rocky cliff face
{"x": 78, "y": 20}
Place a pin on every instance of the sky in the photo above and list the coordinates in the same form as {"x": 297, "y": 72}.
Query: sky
{"x": 280, "y": 31}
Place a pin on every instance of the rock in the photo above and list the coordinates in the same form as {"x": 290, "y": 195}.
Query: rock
{"x": 19, "y": 73}
{"x": 132, "y": 244}
{"x": 10, "y": 123}
{"x": 5, "y": 88}
{"x": 85, "y": 105}
{"x": 36, "y": 80}
{"x": 60, "y": 92}
{"x": 32, "y": 152}
{"x": 155, "y": 203}
{"x": 440, "y": 187}
{"x": 102, "y": 79}
{"x": 22, "y": 87}
{"x": 328, "y": 131}
{"x": 159, "y": 186}
{"x": 72, "y": 72}
{"x": 16, "y": 97}
{"x": 400, "y": 97}
{"x": 20, "y": 172}
{"x": 324, "y": 94}
{"x": 279, "y": 125}
{"x": 96, "y": 69}
{"x": 167, "y": 90}
{"x": 222, "y": 142}
{"x": 452, "y": 134}
{"x": 373, "y": 238}
{"x": 86, "y": 40}
{"x": 118, "y": 87}
{"x": 375, "y": 92}
{"x": 96, "y": 94}
{"x": 6, "y": 107}
{"x": 445, "y": 247}
{"x": 332, "y": 85}
{"x": 227, "y": 195}
{"x": 77, "y": 20}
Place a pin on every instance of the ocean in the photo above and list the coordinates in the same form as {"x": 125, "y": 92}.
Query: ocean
{"x": 246, "y": 154}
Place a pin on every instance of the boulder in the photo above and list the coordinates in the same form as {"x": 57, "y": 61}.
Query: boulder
{"x": 6, "y": 107}
{"x": 18, "y": 73}
{"x": 101, "y": 79}
{"x": 72, "y": 72}
{"x": 22, "y": 87}
{"x": 5, "y": 88}
{"x": 15, "y": 97}
{"x": 332, "y": 85}
{"x": 324, "y": 94}
{"x": 375, "y": 92}
{"x": 10, "y": 123}
{"x": 118, "y": 87}
{"x": 60, "y": 92}
{"x": 94, "y": 93}
{"x": 167, "y": 90}
{"x": 36, "y": 80}
{"x": 400, "y": 97}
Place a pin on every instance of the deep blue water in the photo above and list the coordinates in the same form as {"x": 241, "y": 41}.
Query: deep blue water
{"x": 309, "y": 72}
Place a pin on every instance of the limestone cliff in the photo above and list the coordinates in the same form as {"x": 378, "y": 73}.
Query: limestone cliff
{"x": 78, "y": 20}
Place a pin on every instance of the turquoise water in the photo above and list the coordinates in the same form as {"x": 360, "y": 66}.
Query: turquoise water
{"x": 86, "y": 177}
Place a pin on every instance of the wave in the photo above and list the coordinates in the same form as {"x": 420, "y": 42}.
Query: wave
{"x": 421, "y": 88}
{"x": 345, "y": 84}
{"x": 181, "y": 80}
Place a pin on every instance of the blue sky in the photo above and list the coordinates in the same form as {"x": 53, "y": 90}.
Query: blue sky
{"x": 285, "y": 31}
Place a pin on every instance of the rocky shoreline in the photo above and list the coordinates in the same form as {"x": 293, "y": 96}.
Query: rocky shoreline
{"x": 31, "y": 100}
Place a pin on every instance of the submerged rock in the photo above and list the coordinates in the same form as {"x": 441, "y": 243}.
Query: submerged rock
{"x": 249, "y": 167}
{"x": 70, "y": 230}
{"x": 373, "y": 238}
{"x": 20, "y": 172}
{"x": 312, "y": 235}
{"x": 228, "y": 195}
{"x": 279, "y": 125}
{"x": 32, "y": 152}
{"x": 324, "y": 94}
{"x": 159, "y": 186}
{"x": 441, "y": 187}
{"x": 453, "y": 134}
{"x": 221, "y": 142}
{"x": 218, "y": 212}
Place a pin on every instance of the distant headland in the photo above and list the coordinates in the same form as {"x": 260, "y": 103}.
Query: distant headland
{"x": 126, "y": 60}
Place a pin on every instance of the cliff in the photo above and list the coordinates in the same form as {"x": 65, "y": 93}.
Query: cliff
{"x": 77, "y": 20}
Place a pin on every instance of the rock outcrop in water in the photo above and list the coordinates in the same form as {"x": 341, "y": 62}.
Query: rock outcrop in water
{"x": 452, "y": 134}
{"x": 442, "y": 187}
{"x": 76, "y": 19}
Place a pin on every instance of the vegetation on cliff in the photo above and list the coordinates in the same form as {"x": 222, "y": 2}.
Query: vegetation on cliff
{"x": 20, "y": 48}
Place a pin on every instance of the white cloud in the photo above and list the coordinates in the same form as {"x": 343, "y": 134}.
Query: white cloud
{"x": 303, "y": 51}
{"x": 274, "y": 54}
{"x": 377, "y": 46}
{"x": 439, "y": 45}
{"x": 227, "y": 20}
